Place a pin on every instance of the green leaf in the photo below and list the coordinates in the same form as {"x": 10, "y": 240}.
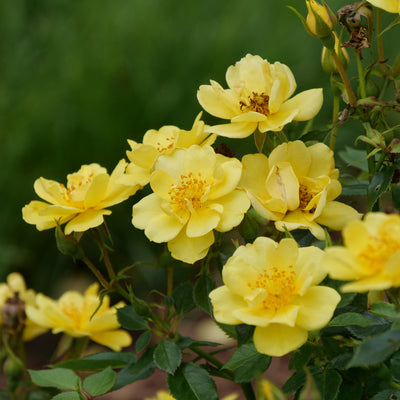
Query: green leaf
{"x": 99, "y": 361}
{"x": 350, "y": 390}
{"x": 375, "y": 349}
{"x": 183, "y": 298}
{"x": 142, "y": 341}
{"x": 380, "y": 183}
{"x": 388, "y": 394}
{"x": 129, "y": 319}
{"x": 247, "y": 363}
{"x": 244, "y": 333}
{"x": 100, "y": 383}
{"x": 66, "y": 396}
{"x": 60, "y": 378}
{"x": 191, "y": 382}
{"x": 386, "y": 310}
{"x": 354, "y": 157}
{"x": 328, "y": 383}
{"x": 395, "y": 367}
{"x": 202, "y": 288}
{"x": 167, "y": 356}
{"x": 141, "y": 369}
{"x": 350, "y": 318}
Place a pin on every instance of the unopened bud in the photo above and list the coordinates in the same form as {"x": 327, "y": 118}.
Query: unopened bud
{"x": 327, "y": 61}
{"x": 321, "y": 21}
{"x": 68, "y": 245}
{"x": 13, "y": 369}
{"x": 13, "y": 314}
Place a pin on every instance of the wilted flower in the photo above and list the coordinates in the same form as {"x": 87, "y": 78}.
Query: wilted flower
{"x": 15, "y": 288}
{"x": 80, "y": 315}
{"x": 195, "y": 192}
{"x": 82, "y": 203}
{"x": 258, "y": 97}
{"x": 273, "y": 286}
{"x": 164, "y": 141}
{"x": 370, "y": 257}
{"x": 296, "y": 187}
{"x": 391, "y": 6}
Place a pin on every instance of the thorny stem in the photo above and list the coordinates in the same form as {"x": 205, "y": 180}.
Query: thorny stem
{"x": 97, "y": 273}
{"x": 345, "y": 79}
{"x": 107, "y": 261}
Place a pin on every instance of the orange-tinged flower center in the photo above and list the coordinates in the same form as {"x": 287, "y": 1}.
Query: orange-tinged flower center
{"x": 77, "y": 186}
{"x": 377, "y": 251}
{"x": 256, "y": 102}
{"x": 279, "y": 285}
{"x": 305, "y": 196}
{"x": 190, "y": 193}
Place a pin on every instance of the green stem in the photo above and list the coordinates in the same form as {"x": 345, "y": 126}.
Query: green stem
{"x": 379, "y": 38}
{"x": 335, "y": 112}
{"x": 345, "y": 79}
{"x": 107, "y": 261}
{"x": 97, "y": 273}
{"x": 361, "y": 78}
{"x": 211, "y": 359}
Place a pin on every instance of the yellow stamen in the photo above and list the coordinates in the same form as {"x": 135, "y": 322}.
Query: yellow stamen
{"x": 279, "y": 285}
{"x": 256, "y": 102}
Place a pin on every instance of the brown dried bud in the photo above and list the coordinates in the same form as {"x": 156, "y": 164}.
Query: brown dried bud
{"x": 13, "y": 314}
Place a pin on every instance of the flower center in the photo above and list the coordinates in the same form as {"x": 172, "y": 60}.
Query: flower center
{"x": 77, "y": 186}
{"x": 277, "y": 286}
{"x": 256, "y": 102}
{"x": 190, "y": 193}
{"x": 304, "y": 196}
{"x": 377, "y": 251}
{"x": 70, "y": 310}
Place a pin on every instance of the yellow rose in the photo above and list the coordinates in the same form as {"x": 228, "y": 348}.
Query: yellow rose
{"x": 258, "y": 97}
{"x": 82, "y": 203}
{"x": 195, "y": 192}
{"x": 391, "y": 6}
{"x": 295, "y": 186}
{"x": 273, "y": 286}
{"x": 164, "y": 141}
{"x": 321, "y": 21}
{"x": 16, "y": 284}
{"x": 80, "y": 315}
{"x": 370, "y": 257}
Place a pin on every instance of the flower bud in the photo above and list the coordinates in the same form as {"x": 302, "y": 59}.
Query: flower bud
{"x": 327, "y": 61}
{"x": 13, "y": 368}
{"x": 321, "y": 21}
{"x": 68, "y": 245}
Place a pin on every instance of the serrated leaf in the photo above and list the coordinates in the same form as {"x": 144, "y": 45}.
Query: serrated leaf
{"x": 183, "y": 298}
{"x": 100, "y": 383}
{"x": 202, "y": 288}
{"x": 60, "y": 378}
{"x": 130, "y": 320}
{"x": 329, "y": 382}
{"x": 191, "y": 382}
{"x": 141, "y": 369}
{"x": 167, "y": 356}
{"x": 247, "y": 363}
{"x": 380, "y": 183}
{"x": 376, "y": 349}
{"x": 386, "y": 310}
{"x": 99, "y": 361}
{"x": 350, "y": 318}
{"x": 142, "y": 341}
{"x": 66, "y": 396}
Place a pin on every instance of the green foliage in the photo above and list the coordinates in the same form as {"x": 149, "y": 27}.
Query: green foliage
{"x": 60, "y": 378}
{"x": 100, "y": 383}
{"x": 130, "y": 320}
{"x": 167, "y": 356}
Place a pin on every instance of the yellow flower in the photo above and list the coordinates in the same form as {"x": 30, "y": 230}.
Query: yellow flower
{"x": 164, "y": 395}
{"x": 370, "y": 258}
{"x": 194, "y": 193}
{"x": 295, "y": 186}
{"x": 391, "y": 6}
{"x": 321, "y": 21}
{"x": 258, "y": 97}
{"x": 164, "y": 141}
{"x": 273, "y": 286}
{"x": 80, "y": 315}
{"x": 82, "y": 203}
{"x": 16, "y": 284}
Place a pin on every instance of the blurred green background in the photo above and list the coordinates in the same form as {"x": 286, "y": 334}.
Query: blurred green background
{"x": 78, "y": 78}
